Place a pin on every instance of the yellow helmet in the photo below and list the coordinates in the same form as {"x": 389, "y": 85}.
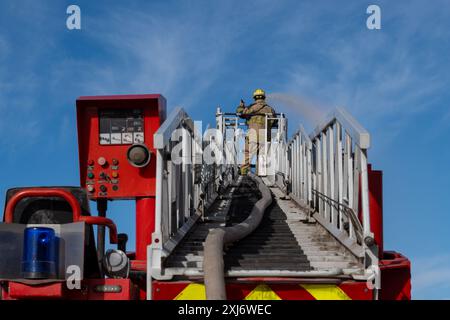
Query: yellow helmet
{"x": 259, "y": 93}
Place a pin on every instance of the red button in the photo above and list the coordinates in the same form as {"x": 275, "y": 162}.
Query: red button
{"x": 101, "y": 161}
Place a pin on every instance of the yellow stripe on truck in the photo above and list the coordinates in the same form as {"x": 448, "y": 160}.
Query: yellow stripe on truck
{"x": 193, "y": 291}
{"x": 262, "y": 292}
{"x": 196, "y": 291}
{"x": 325, "y": 292}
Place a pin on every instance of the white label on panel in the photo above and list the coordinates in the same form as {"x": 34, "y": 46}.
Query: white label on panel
{"x": 138, "y": 137}
{"x": 105, "y": 138}
{"x": 116, "y": 138}
{"x": 127, "y": 138}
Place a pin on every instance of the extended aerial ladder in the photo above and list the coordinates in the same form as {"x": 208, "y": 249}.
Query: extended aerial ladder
{"x": 317, "y": 232}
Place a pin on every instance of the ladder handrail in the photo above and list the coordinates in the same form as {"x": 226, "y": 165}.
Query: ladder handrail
{"x": 349, "y": 212}
{"x": 179, "y": 194}
{"x": 162, "y": 136}
{"x": 353, "y": 127}
{"x": 342, "y": 142}
{"x": 327, "y": 170}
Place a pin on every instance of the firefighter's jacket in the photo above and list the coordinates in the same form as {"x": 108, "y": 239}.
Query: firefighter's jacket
{"x": 256, "y": 113}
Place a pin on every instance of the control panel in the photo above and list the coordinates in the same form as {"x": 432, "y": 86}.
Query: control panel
{"x": 115, "y": 139}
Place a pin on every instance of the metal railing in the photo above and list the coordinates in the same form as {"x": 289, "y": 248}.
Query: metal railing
{"x": 340, "y": 178}
{"x": 233, "y": 129}
{"x": 183, "y": 186}
{"x": 186, "y": 183}
{"x": 327, "y": 173}
{"x": 270, "y": 159}
{"x": 299, "y": 151}
{"x": 230, "y": 128}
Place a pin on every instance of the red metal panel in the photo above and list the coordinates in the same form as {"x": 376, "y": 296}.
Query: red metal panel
{"x": 357, "y": 290}
{"x": 291, "y": 292}
{"x": 137, "y": 265}
{"x": 395, "y": 277}
{"x": 284, "y": 289}
{"x": 128, "y": 291}
{"x": 376, "y": 206}
{"x": 18, "y": 290}
{"x": 145, "y": 225}
{"x": 236, "y": 290}
{"x": 92, "y": 289}
{"x": 131, "y": 181}
{"x": 167, "y": 290}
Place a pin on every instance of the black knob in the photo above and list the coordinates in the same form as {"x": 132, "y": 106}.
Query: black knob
{"x": 122, "y": 239}
{"x": 138, "y": 155}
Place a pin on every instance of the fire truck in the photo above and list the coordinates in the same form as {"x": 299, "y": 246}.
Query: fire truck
{"x": 308, "y": 225}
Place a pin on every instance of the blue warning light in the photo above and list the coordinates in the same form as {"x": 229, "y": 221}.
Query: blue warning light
{"x": 40, "y": 251}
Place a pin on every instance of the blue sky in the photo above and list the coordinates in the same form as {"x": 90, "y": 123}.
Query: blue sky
{"x": 201, "y": 54}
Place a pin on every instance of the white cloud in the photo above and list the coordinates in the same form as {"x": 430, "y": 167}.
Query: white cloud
{"x": 179, "y": 55}
{"x": 185, "y": 51}
{"x": 385, "y": 78}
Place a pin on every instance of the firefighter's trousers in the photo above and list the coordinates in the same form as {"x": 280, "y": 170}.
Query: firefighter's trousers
{"x": 255, "y": 144}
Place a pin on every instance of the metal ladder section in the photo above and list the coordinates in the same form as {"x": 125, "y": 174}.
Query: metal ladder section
{"x": 287, "y": 241}
{"x": 318, "y": 225}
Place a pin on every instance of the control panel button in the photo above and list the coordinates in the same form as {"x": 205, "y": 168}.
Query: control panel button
{"x": 138, "y": 155}
{"x": 103, "y": 188}
{"x": 115, "y": 162}
{"x": 90, "y": 188}
{"x": 101, "y": 161}
{"x": 90, "y": 175}
{"x": 115, "y": 174}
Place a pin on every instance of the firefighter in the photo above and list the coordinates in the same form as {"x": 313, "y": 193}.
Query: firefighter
{"x": 255, "y": 114}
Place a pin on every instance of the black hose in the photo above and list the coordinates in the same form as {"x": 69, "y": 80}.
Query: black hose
{"x": 213, "y": 264}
